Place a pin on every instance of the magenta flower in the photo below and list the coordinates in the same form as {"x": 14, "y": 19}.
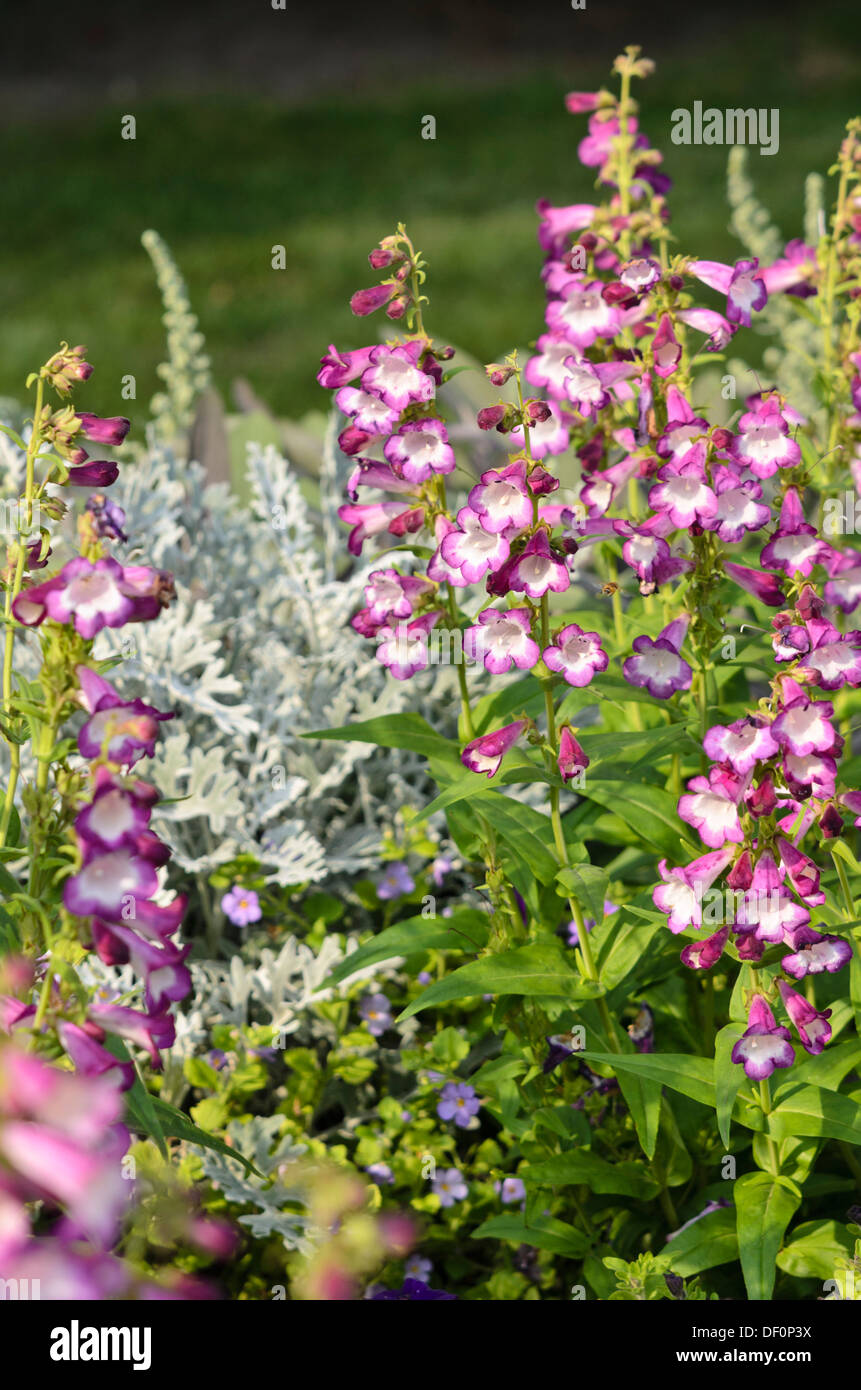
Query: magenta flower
{"x": 118, "y": 813}
{"x": 557, "y": 224}
{"x": 368, "y": 519}
{"x": 485, "y": 753}
{"x": 764, "y": 1045}
{"x": 811, "y": 1025}
{"x": 110, "y": 430}
{"x": 420, "y": 449}
{"x": 370, "y": 414}
{"x": 577, "y": 655}
{"x": 656, "y": 665}
{"x": 762, "y": 443}
{"x": 502, "y": 500}
{"x": 762, "y": 586}
{"x": 582, "y": 315}
{"x": 241, "y": 906}
{"x": 537, "y": 569}
{"x": 458, "y": 1102}
{"x": 804, "y": 725}
{"x": 144, "y": 1030}
{"x": 681, "y": 893}
{"x": 739, "y": 509}
{"x": 666, "y": 348}
{"x": 795, "y": 546}
{"x": 767, "y": 907}
{"x": 814, "y": 953}
{"x": 392, "y": 595}
{"x": 472, "y": 549}
{"x": 711, "y": 807}
{"x": 743, "y": 285}
{"x": 404, "y": 649}
{"x": 394, "y": 376}
{"x": 702, "y": 955}
{"x": 125, "y": 730}
{"x": 93, "y": 596}
{"x": 364, "y": 302}
{"x": 683, "y": 492}
{"x": 502, "y": 638}
{"x": 742, "y": 744}
{"x": 835, "y": 658}
{"x": 571, "y": 759}
{"x": 337, "y": 368}
{"x": 439, "y": 570}
{"x": 719, "y": 330}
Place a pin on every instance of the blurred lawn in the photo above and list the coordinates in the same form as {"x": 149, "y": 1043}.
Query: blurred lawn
{"x": 223, "y": 180}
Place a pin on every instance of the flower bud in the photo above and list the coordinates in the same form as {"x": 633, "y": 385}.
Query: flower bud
{"x": 491, "y": 417}
{"x": 396, "y": 308}
{"x": 499, "y": 375}
{"x": 537, "y": 412}
{"x": 364, "y": 302}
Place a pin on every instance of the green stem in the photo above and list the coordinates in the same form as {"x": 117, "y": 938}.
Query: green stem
{"x": 765, "y": 1104}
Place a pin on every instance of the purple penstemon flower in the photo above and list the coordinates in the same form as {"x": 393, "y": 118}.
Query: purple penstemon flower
{"x": 684, "y": 493}
{"x": 241, "y": 906}
{"x": 472, "y": 549}
{"x": 764, "y": 1046}
{"x": 537, "y": 570}
{"x": 370, "y": 415}
{"x": 811, "y": 1025}
{"x": 762, "y": 443}
{"x": 742, "y": 744}
{"x": 337, "y": 368}
{"x": 764, "y": 587}
{"x": 742, "y": 283}
{"x": 396, "y": 882}
{"x": 404, "y": 648}
{"x": 681, "y": 893}
{"x": 711, "y": 807}
{"x": 502, "y": 500}
{"x": 702, "y": 955}
{"x": 389, "y": 594}
{"x": 795, "y": 546}
{"x": 577, "y": 655}
{"x": 768, "y": 908}
{"x": 92, "y": 596}
{"x": 458, "y": 1102}
{"x": 394, "y": 376}
{"x": 125, "y": 729}
{"x": 813, "y": 953}
{"x": 834, "y": 657}
{"x": 420, "y": 449}
{"x": 485, "y": 753}
{"x": 803, "y": 725}
{"x": 656, "y": 664}
{"x": 571, "y": 759}
{"x": 502, "y": 638}
{"x": 666, "y": 348}
{"x": 582, "y": 314}
{"x": 739, "y": 509}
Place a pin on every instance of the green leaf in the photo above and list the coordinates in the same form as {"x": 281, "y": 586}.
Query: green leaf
{"x": 588, "y": 886}
{"x": 650, "y": 811}
{"x": 728, "y": 1077}
{"x": 815, "y": 1248}
{"x": 544, "y": 1232}
{"x": 708, "y": 1242}
{"x": 406, "y": 730}
{"x": 764, "y": 1207}
{"x": 812, "y": 1110}
{"x": 464, "y": 930}
{"x": 630, "y": 1179}
{"x": 626, "y": 945}
{"x": 691, "y": 1076}
{"x": 643, "y": 1099}
{"x": 177, "y": 1125}
{"x": 140, "y": 1108}
{"x": 537, "y": 970}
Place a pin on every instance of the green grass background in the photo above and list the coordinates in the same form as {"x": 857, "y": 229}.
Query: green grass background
{"x": 224, "y": 178}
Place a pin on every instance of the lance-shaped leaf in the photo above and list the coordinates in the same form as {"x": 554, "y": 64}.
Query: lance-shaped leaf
{"x": 764, "y": 1207}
